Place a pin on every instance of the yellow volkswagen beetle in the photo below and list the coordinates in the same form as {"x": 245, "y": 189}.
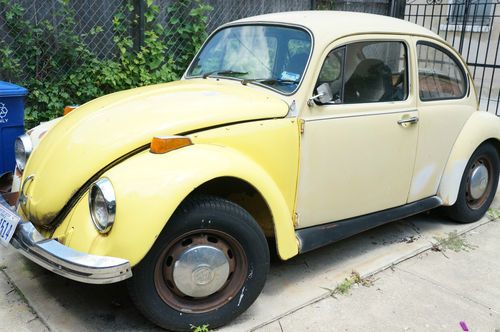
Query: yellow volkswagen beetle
{"x": 290, "y": 130}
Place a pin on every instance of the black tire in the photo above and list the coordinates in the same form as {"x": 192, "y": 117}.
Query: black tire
{"x": 227, "y": 227}
{"x": 468, "y": 209}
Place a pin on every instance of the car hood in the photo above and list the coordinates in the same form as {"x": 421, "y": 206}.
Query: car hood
{"x": 108, "y": 128}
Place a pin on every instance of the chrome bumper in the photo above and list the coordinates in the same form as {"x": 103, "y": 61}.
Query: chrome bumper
{"x": 65, "y": 261}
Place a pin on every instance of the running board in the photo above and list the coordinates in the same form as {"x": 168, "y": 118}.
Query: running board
{"x": 317, "y": 236}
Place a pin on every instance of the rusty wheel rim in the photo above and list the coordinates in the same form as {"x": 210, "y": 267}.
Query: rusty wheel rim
{"x": 212, "y": 242}
{"x": 475, "y": 201}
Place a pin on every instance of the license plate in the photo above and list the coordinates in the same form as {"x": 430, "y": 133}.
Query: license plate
{"x": 8, "y": 224}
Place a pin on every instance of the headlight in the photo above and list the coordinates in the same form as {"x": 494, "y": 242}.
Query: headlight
{"x": 102, "y": 205}
{"x": 23, "y": 148}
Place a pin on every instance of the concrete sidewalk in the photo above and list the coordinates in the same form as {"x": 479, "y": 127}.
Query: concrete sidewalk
{"x": 433, "y": 291}
{"x": 15, "y": 313}
{"x": 414, "y": 287}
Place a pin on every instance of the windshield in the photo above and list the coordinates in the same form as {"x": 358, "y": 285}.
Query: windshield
{"x": 274, "y": 56}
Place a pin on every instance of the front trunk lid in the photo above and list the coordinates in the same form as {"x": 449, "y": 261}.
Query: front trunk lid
{"x": 105, "y": 129}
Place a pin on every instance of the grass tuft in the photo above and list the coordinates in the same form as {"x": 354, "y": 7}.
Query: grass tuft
{"x": 201, "y": 328}
{"x": 493, "y": 214}
{"x": 453, "y": 241}
{"x": 354, "y": 279}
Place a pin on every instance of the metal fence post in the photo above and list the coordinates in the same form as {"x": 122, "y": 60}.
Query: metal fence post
{"x": 466, "y": 4}
{"x": 140, "y": 21}
{"x": 396, "y": 8}
{"x": 390, "y": 7}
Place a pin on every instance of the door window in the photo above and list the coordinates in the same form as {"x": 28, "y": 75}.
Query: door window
{"x": 439, "y": 74}
{"x": 366, "y": 72}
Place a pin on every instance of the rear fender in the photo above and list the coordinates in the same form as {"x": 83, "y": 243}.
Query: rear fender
{"x": 480, "y": 128}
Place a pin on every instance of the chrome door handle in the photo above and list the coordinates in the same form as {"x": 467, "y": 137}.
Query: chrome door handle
{"x": 408, "y": 121}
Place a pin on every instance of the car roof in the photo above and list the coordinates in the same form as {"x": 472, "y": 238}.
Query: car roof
{"x": 327, "y": 26}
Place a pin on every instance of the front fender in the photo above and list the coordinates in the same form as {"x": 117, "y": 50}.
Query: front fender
{"x": 35, "y": 134}
{"x": 149, "y": 187}
{"x": 480, "y": 127}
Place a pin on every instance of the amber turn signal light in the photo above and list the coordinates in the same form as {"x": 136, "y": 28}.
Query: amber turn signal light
{"x": 169, "y": 143}
{"x": 69, "y": 109}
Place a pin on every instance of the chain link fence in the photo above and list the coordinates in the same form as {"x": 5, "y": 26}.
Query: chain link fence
{"x": 92, "y": 22}
{"x": 71, "y": 51}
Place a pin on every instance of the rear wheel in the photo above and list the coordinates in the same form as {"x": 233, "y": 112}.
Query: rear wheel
{"x": 478, "y": 186}
{"x": 207, "y": 266}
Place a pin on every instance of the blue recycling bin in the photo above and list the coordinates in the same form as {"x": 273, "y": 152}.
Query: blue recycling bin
{"x": 11, "y": 122}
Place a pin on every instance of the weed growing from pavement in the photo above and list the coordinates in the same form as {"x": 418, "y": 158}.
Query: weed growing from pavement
{"x": 201, "y": 328}
{"x": 354, "y": 279}
{"x": 493, "y": 214}
{"x": 453, "y": 241}
{"x": 3, "y": 267}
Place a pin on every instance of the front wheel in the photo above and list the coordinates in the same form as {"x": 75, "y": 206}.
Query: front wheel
{"x": 207, "y": 266}
{"x": 478, "y": 186}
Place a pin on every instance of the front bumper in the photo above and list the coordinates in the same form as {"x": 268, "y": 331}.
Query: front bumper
{"x": 65, "y": 261}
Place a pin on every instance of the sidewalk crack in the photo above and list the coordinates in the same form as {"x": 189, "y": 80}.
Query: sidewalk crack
{"x": 450, "y": 290}
{"x": 25, "y": 300}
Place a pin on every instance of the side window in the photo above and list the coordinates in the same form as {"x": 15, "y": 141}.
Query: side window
{"x": 367, "y": 72}
{"x": 439, "y": 74}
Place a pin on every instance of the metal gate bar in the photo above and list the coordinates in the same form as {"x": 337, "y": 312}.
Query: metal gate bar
{"x": 473, "y": 28}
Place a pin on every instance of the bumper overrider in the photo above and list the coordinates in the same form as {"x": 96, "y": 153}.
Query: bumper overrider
{"x": 65, "y": 261}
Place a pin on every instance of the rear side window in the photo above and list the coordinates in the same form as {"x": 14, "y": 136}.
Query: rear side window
{"x": 439, "y": 74}
{"x": 366, "y": 72}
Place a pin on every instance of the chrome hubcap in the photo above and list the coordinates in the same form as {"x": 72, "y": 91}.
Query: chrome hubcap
{"x": 201, "y": 271}
{"x": 478, "y": 181}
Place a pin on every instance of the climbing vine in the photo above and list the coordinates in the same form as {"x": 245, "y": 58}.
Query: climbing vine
{"x": 59, "y": 68}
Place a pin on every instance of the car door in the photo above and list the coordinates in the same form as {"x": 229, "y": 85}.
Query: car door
{"x": 358, "y": 149}
{"x": 445, "y": 101}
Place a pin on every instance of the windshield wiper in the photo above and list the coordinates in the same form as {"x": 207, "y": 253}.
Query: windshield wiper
{"x": 268, "y": 81}
{"x": 223, "y": 72}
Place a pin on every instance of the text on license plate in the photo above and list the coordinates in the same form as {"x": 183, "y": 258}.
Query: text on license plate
{"x": 8, "y": 224}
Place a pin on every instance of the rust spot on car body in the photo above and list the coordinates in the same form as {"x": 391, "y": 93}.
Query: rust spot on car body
{"x": 6, "y": 182}
{"x": 10, "y": 197}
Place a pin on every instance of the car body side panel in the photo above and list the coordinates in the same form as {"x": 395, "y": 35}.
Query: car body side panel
{"x": 440, "y": 123}
{"x": 150, "y": 187}
{"x": 437, "y": 134}
{"x": 353, "y": 166}
{"x": 480, "y": 127}
{"x": 272, "y": 144}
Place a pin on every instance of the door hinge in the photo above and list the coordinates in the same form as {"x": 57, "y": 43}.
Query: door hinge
{"x": 295, "y": 220}
{"x": 302, "y": 125}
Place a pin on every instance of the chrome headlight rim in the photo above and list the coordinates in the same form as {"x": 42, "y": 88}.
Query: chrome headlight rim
{"x": 103, "y": 187}
{"x": 25, "y": 142}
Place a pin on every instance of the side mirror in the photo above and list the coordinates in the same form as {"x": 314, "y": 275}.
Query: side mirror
{"x": 324, "y": 95}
